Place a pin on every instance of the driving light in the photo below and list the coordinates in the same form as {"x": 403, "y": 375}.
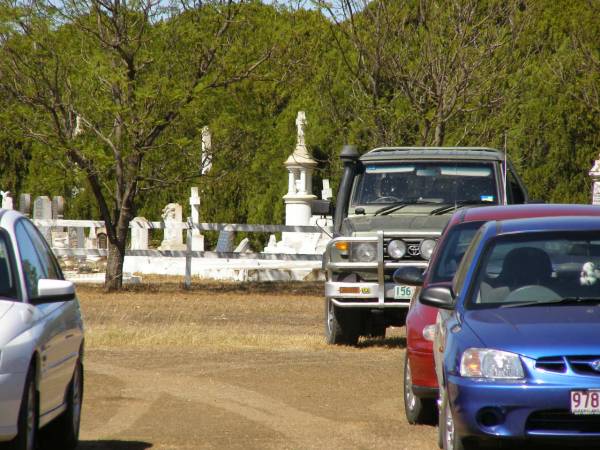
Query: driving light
{"x": 364, "y": 252}
{"x": 489, "y": 363}
{"x": 427, "y": 247}
{"x": 396, "y": 249}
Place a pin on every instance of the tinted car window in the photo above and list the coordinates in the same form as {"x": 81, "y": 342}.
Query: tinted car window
{"x": 8, "y": 285}
{"x": 463, "y": 267}
{"x": 32, "y": 266}
{"x": 450, "y": 255}
{"x": 51, "y": 267}
{"x": 538, "y": 268}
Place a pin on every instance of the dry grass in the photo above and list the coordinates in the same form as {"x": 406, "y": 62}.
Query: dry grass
{"x": 212, "y": 317}
{"x": 215, "y": 317}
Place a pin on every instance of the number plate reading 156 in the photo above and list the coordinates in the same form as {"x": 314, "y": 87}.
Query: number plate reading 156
{"x": 403, "y": 292}
{"x": 585, "y": 402}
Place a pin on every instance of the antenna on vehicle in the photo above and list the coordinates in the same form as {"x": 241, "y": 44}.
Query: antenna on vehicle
{"x": 504, "y": 172}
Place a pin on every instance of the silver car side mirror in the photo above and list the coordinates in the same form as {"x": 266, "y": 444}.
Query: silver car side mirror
{"x": 55, "y": 290}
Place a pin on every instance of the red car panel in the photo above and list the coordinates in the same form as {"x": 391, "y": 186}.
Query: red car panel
{"x": 419, "y": 350}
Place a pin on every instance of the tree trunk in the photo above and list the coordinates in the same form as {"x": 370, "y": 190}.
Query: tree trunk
{"x": 440, "y": 134}
{"x": 113, "y": 280}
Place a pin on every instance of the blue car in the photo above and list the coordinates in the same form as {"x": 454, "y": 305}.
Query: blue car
{"x": 517, "y": 340}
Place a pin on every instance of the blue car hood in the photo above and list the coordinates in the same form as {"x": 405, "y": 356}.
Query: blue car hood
{"x": 539, "y": 331}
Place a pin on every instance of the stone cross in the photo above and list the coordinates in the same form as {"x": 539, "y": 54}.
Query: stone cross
{"x": 172, "y": 217}
{"x": 206, "y": 157}
{"x": 197, "y": 237}
{"x": 301, "y": 124}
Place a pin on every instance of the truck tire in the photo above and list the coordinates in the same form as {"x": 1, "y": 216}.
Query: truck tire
{"x": 342, "y": 326}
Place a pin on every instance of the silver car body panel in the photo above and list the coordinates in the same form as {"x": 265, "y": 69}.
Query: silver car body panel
{"x": 50, "y": 335}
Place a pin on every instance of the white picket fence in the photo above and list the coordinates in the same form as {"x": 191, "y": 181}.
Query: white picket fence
{"x": 232, "y": 261}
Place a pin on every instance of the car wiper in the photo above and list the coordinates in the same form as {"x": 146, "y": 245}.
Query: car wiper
{"x": 561, "y": 301}
{"x": 399, "y": 205}
{"x": 450, "y": 206}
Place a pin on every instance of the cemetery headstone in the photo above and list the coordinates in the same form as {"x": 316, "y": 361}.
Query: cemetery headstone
{"x": 173, "y": 237}
{"x": 25, "y": 204}
{"x": 42, "y": 210}
{"x": 139, "y": 233}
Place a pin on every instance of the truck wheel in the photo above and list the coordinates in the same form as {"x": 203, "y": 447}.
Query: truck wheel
{"x": 417, "y": 410}
{"x": 341, "y": 326}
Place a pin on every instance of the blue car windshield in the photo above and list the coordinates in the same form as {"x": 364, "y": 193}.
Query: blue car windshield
{"x": 452, "y": 250}
{"x": 441, "y": 182}
{"x": 541, "y": 268}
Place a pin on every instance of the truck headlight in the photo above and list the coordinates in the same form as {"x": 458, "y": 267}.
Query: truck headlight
{"x": 489, "y": 363}
{"x": 427, "y": 247}
{"x": 364, "y": 252}
{"x": 396, "y": 248}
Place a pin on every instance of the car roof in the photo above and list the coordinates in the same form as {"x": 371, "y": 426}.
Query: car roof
{"x": 8, "y": 217}
{"x": 462, "y": 153}
{"x": 487, "y": 213}
{"x": 546, "y": 224}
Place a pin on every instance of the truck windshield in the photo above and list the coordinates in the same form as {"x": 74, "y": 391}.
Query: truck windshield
{"x": 440, "y": 182}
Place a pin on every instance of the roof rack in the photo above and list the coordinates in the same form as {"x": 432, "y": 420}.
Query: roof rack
{"x": 460, "y": 149}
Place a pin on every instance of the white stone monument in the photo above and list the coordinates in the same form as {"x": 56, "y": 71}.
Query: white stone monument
{"x": 197, "y": 237}
{"x": 139, "y": 233}
{"x": 7, "y": 200}
{"x": 326, "y": 192}
{"x": 595, "y": 175}
{"x": 300, "y": 166}
{"x": 206, "y": 158}
{"x": 172, "y": 218}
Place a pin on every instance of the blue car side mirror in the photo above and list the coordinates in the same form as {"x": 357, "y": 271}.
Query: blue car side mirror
{"x": 438, "y": 297}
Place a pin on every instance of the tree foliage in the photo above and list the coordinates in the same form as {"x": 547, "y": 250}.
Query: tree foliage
{"x": 141, "y": 78}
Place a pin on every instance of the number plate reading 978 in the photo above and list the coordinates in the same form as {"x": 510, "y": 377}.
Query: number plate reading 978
{"x": 585, "y": 402}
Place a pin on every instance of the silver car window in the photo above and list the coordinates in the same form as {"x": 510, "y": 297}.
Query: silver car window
{"x": 32, "y": 266}
{"x": 51, "y": 268}
{"x": 8, "y": 287}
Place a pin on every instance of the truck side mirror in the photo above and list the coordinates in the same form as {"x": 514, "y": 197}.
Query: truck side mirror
{"x": 321, "y": 207}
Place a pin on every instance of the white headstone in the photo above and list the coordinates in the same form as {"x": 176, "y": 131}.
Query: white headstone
{"x": 243, "y": 246}
{"x": 139, "y": 233}
{"x": 327, "y": 192}
{"x": 7, "y": 200}
{"x": 172, "y": 218}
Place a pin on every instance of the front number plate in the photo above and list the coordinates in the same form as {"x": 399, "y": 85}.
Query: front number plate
{"x": 585, "y": 402}
{"x": 403, "y": 292}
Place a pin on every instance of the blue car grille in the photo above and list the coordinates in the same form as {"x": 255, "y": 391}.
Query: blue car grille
{"x": 562, "y": 420}
{"x": 582, "y": 365}
{"x": 585, "y": 365}
{"x": 552, "y": 364}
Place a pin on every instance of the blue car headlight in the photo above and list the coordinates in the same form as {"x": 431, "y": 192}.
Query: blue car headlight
{"x": 491, "y": 364}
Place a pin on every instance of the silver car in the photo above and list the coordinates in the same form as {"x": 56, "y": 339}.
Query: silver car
{"x": 41, "y": 342}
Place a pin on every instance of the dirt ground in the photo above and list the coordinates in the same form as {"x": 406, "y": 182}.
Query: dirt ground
{"x": 236, "y": 366}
